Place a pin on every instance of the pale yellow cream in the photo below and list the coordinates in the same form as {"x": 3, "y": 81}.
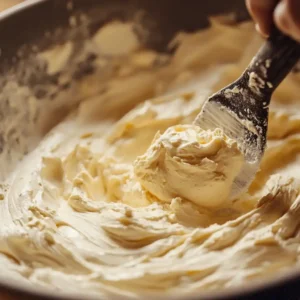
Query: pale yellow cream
{"x": 190, "y": 163}
{"x": 107, "y": 205}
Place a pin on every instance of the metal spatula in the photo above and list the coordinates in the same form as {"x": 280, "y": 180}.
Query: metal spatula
{"x": 241, "y": 109}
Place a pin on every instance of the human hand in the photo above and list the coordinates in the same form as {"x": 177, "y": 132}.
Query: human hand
{"x": 285, "y": 14}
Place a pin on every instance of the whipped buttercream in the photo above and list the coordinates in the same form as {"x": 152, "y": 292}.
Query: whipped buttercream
{"x": 191, "y": 163}
{"x": 106, "y": 205}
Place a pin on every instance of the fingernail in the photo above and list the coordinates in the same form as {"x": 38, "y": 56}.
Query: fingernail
{"x": 258, "y": 29}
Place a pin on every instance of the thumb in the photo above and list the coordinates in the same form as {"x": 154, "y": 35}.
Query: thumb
{"x": 287, "y": 18}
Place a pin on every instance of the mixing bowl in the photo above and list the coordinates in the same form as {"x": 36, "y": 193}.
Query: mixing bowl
{"x": 36, "y": 95}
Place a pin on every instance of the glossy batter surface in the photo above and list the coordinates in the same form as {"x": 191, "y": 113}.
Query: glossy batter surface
{"x": 140, "y": 204}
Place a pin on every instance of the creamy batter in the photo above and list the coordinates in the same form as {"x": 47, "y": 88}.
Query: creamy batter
{"x": 177, "y": 159}
{"x": 139, "y": 204}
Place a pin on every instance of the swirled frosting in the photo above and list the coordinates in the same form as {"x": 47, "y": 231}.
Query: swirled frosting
{"x": 138, "y": 204}
{"x": 190, "y": 163}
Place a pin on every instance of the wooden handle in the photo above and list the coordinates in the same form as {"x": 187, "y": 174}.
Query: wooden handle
{"x": 274, "y": 61}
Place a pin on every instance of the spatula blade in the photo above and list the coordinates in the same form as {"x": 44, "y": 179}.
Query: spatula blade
{"x": 215, "y": 115}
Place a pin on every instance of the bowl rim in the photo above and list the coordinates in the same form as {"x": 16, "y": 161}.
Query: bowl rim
{"x": 26, "y": 4}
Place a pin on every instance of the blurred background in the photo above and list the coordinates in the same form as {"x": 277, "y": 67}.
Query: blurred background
{"x": 8, "y": 3}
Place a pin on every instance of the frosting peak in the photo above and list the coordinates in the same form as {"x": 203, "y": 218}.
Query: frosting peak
{"x": 190, "y": 163}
